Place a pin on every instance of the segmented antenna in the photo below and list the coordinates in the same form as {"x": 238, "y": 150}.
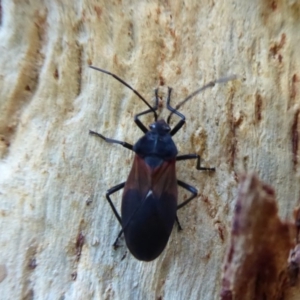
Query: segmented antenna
{"x": 210, "y": 84}
{"x": 126, "y": 84}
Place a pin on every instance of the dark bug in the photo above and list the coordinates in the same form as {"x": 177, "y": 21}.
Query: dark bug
{"x": 149, "y": 202}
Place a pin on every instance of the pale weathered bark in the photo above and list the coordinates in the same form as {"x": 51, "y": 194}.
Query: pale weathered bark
{"x": 56, "y": 226}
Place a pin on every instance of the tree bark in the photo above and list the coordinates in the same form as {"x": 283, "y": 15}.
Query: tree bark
{"x": 57, "y": 228}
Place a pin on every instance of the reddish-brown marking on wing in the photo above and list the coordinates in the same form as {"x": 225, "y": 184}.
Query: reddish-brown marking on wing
{"x": 144, "y": 178}
{"x": 139, "y": 177}
{"x": 164, "y": 179}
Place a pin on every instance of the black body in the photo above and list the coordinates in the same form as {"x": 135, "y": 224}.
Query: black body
{"x": 149, "y": 202}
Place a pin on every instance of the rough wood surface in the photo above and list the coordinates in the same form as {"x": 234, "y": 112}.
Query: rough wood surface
{"x": 56, "y": 228}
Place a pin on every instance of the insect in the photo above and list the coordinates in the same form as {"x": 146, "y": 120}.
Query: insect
{"x": 149, "y": 202}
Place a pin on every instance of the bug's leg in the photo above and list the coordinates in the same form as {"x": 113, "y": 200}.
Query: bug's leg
{"x": 191, "y": 189}
{"x": 108, "y": 193}
{"x": 115, "y": 244}
{"x": 187, "y": 186}
{"x": 178, "y": 224}
{"x": 138, "y": 122}
{"x": 194, "y": 194}
{"x": 112, "y": 141}
{"x": 176, "y": 112}
{"x": 194, "y": 156}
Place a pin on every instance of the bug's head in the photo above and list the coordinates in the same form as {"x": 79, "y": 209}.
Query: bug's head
{"x": 160, "y": 127}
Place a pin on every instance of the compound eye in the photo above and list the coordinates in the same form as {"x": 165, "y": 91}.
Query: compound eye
{"x": 152, "y": 126}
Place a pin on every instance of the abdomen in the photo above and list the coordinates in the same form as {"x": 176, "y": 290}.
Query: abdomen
{"x": 148, "y": 222}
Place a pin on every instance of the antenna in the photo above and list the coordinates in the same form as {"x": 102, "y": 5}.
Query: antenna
{"x": 210, "y": 84}
{"x": 126, "y": 84}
